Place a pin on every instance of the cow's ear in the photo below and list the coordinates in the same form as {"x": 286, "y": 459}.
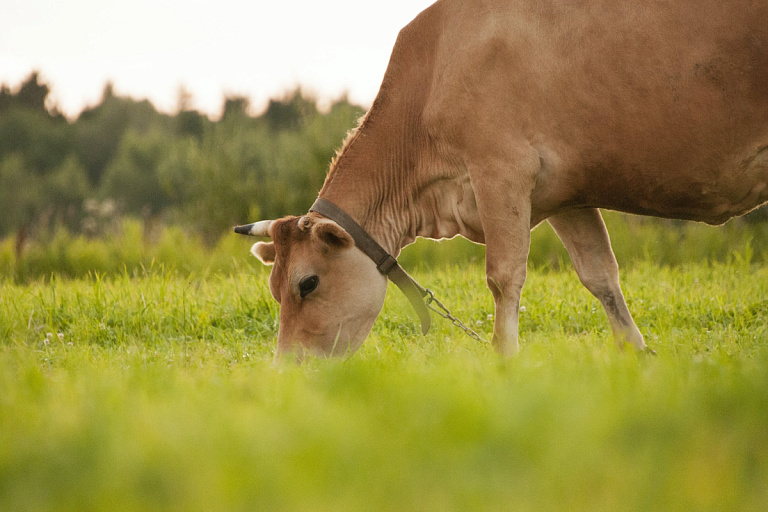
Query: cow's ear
{"x": 332, "y": 235}
{"x": 265, "y": 251}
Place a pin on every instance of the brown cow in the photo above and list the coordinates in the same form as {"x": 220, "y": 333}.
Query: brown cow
{"x": 496, "y": 115}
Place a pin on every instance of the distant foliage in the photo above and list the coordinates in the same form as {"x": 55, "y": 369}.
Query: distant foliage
{"x": 182, "y": 169}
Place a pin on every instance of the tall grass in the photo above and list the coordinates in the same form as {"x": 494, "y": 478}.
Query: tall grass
{"x": 158, "y": 392}
{"x": 130, "y": 249}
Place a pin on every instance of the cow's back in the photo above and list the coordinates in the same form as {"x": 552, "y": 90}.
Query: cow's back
{"x": 653, "y": 108}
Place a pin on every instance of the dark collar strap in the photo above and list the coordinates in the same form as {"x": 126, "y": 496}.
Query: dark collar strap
{"x": 385, "y": 262}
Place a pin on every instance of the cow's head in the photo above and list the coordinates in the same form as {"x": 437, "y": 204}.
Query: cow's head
{"x": 329, "y": 291}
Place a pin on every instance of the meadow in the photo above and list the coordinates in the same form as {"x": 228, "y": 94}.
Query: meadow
{"x": 151, "y": 386}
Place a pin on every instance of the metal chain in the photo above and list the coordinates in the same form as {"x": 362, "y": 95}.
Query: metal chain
{"x": 442, "y": 311}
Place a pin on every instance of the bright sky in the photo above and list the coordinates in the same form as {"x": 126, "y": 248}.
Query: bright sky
{"x": 150, "y": 48}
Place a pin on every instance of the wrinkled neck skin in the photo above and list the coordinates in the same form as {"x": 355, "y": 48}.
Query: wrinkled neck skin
{"x": 392, "y": 176}
{"x": 403, "y": 193}
{"x": 398, "y": 187}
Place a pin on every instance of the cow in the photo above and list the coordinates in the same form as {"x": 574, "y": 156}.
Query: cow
{"x": 496, "y": 115}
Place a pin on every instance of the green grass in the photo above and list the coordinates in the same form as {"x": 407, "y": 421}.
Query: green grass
{"x": 131, "y": 247}
{"x": 158, "y": 392}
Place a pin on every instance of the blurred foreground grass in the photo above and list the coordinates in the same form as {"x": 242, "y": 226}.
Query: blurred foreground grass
{"x": 158, "y": 392}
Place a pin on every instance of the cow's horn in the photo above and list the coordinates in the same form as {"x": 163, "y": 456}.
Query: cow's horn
{"x": 260, "y": 228}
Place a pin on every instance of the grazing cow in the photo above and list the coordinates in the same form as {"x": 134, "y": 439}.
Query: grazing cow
{"x": 495, "y": 115}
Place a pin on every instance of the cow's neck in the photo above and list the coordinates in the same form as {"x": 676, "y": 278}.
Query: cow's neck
{"x": 392, "y": 177}
{"x": 395, "y": 183}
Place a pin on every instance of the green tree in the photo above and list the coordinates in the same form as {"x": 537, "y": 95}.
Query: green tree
{"x": 20, "y": 195}
{"x": 6, "y": 98}
{"x": 27, "y": 128}
{"x": 64, "y": 191}
{"x": 131, "y": 178}
{"x": 32, "y": 94}
{"x": 215, "y": 182}
{"x": 244, "y": 168}
{"x": 235, "y": 106}
{"x": 188, "y": 121}
{"x": 99, "y": 130}
{"x": 291, "y": 112}
{"x": 44, "y": 142}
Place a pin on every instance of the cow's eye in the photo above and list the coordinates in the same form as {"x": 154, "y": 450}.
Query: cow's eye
{"x": 308, "y": 285}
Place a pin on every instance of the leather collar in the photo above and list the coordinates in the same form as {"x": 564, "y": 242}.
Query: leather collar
{"x": 385, "y": 262}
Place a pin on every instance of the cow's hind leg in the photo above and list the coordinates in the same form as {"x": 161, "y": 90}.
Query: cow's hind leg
{"x": 584, "y": 235}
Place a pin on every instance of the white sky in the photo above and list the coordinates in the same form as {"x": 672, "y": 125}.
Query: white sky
{"x": 149, "y": 48}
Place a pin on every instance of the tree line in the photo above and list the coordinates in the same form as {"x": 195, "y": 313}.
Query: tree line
{"x": 122, "y": 157}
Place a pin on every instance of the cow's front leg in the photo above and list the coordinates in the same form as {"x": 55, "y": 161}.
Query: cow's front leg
{"x": 505, "y": 273}
{"x": 503, "y": 199}
{"x": 584, "y": 235}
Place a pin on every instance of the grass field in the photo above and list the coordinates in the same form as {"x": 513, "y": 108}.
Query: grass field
{"x": 158, "y": 392}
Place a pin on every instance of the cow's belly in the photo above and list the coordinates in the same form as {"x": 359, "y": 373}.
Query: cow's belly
{"x": 714, "y": 196}
{"x": 729, "y": 192}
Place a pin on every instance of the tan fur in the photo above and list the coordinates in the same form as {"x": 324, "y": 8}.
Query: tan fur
{"x": 264, "y": 251}
{"x": 494, "y": 116}
{"x": 314, "y": 246}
